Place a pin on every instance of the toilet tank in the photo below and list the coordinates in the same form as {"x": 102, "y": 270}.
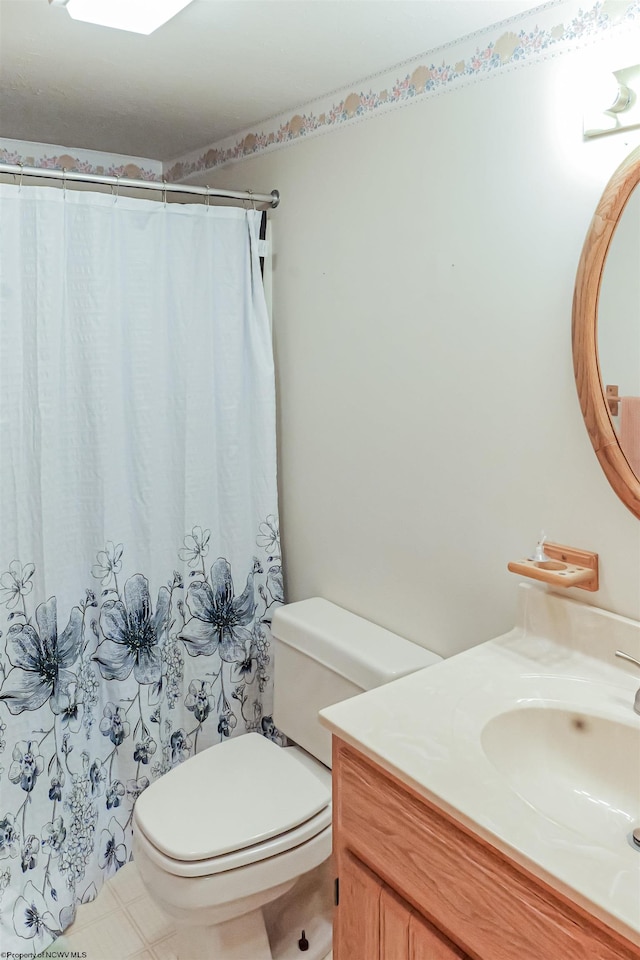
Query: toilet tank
{"x": 323, "y": 654}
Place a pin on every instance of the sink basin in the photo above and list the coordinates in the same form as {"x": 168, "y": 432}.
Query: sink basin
{"x": 574, "y": 768}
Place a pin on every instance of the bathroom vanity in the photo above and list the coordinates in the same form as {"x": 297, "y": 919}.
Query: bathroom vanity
{"x": 483, "y": 807}
{"x": 416, "y": 885}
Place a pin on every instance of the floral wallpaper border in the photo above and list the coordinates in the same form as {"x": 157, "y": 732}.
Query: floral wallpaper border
{"x": 471, "y": 59}
{"x": 49, "y": 156}
{"x": 552, "y": 29}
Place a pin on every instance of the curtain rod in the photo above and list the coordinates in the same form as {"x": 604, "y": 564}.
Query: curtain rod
{"x": 18, "y": 169}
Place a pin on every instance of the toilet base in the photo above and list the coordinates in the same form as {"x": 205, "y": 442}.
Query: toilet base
{"x": 270, "y": 932}
{"x": 307, "y": 906}
{"x": 236, "y": 939}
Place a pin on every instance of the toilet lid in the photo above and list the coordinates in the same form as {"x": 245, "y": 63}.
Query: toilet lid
{"x": 233, "y": 795}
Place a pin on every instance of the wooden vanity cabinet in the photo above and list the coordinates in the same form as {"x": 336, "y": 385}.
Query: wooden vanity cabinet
{"x": 374, "y": 922}
{"x": 414, "y": 884}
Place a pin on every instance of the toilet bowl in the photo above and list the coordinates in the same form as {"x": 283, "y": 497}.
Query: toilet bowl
{"x": 234, "y": 828}
{"x": 206, "y": 870}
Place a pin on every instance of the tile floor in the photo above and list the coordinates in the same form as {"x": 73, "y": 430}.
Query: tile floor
{"x": 121, "y": 924}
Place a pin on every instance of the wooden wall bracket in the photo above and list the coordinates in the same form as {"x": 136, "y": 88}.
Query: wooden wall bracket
{"x": 566, "y": 567}
{"x": 612, "y": 398}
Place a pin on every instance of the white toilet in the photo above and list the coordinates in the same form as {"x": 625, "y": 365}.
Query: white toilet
{"x": 237, "y": 849}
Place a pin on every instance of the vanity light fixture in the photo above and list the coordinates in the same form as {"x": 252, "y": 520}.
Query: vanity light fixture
{"x": 613, "y": 102}
{"x": 136, "y": 16}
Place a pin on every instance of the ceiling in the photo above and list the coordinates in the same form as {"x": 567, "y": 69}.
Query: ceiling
{"x": 217, "y": 68}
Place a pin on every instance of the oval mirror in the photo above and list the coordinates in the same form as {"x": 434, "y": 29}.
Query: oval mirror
{"x": 606, "y": 332}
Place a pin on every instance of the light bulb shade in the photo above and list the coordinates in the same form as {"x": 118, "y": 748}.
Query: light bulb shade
{"x": 609, "y": 94}
{"x": 137, "y": 16}
{"x": 621, "y": 100}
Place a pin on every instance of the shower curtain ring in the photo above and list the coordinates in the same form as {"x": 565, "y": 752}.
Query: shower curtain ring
{"x": 64, "y": 182}
{"x": 251, "y": 200}
{"x": 206, "y": 199}
{"x": 164, "y": 191}
{"x": 115, "y": 193}
{"x": 21, "y": 165}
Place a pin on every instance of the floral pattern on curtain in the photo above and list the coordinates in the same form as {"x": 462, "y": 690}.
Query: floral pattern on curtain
{"x": 185, "y": 667}
{"x": 139, "y": 551}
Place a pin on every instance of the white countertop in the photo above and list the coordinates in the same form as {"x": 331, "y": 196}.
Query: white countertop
{"x": 426, "y": 729}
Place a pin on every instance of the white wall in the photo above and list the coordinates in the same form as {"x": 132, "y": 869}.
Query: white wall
{"x": 429, "y": 423}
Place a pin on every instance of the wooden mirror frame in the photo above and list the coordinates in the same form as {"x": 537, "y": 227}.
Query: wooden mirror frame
{"x": 584, "y": 333}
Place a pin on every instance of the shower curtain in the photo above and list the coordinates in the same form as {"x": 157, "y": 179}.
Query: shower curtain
{"x": 139, "y": 547}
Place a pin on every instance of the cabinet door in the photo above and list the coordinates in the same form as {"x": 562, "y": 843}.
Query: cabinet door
{"x": 394, "y": 926}
{"x": 357, "y": 926}
{"x": 427, "y": 943}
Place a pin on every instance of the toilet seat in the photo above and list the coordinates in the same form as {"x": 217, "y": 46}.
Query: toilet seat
{"x": 246, "y": 800}
{"x": 210, "y": 866}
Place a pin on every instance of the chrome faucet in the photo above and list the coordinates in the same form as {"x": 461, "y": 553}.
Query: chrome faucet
{"x": 625, "y": 656}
